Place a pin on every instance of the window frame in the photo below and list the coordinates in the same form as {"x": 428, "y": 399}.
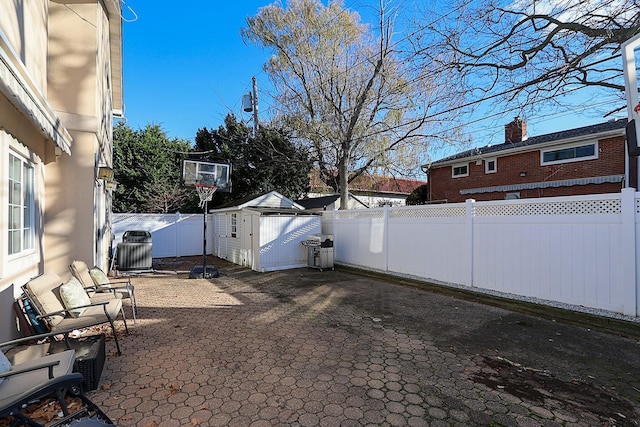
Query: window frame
{"x": 594, "y": 156}
{"x": 459, "y": 165}
{"x": 234, "y": 225}
{"x": 495, "y": 165}
{"x": 23, "y": 208}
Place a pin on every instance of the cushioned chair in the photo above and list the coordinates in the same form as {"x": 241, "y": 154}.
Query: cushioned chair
{"x": 67, "y": 306}
{"x": 96, "y": 281}
{"x": 40, "y": 377}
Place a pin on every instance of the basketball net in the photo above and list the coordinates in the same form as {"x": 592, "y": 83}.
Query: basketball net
{"x": 205, "y": 192}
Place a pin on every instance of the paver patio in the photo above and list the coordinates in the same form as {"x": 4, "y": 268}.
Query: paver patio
{"x": 304, "y": 347}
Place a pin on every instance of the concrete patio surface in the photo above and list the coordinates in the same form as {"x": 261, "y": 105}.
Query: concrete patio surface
{"x": 333, "y": 348}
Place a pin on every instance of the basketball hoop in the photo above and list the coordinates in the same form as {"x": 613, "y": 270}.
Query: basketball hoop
{"x": 205, "y": 192}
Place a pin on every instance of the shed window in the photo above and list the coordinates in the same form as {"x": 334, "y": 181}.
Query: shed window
{"x": 234, "y": 225}
{"x": 460, "y": 170}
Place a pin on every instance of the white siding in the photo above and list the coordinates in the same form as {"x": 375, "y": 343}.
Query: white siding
{"x": 281, "y": 238}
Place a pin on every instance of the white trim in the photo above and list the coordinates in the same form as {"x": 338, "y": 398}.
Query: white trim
{"x": 573, "y": 159}
{"x": 495, "y": 165}
{"x": 31, "y": 166}
{"x": 459, "y": 165}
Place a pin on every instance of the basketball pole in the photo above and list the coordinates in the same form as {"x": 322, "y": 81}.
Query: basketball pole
{"x": 204, "y": 241}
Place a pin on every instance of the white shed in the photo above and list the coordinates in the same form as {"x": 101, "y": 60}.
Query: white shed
{"x": 264, "y": 232}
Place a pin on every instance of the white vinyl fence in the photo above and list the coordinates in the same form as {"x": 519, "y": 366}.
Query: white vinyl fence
{"x": 172, "y": 235}
{"x": 580, "y": 250}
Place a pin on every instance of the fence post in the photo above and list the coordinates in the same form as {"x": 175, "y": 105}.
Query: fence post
{"x": 385, "y": 238}
{"x": 176, "y": 224}
{"x": 468, "y": 240}
{"x": 629, "y": 255}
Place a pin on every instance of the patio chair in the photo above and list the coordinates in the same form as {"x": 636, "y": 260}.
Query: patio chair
{"x": 43, "y": 377}
{"x": 67, "y": 306}
{"x": 96, "y": 281}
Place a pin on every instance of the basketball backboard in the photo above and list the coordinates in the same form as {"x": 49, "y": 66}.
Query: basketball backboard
{"x": 207, "y": 173}
{"x": 631, "y": 68}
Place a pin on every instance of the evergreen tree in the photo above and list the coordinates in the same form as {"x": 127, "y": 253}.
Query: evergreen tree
{"x": 148, "y": 168}
{"x": 267, "y": 162}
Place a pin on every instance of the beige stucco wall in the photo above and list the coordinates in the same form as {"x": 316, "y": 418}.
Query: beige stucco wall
{"x": 78, "y": 90}
{"x": 24, "y": 25}
{"x": 61, "y": 51}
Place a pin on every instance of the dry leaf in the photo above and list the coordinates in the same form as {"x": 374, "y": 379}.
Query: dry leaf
{"x": 151, "y": 424}
{"x": 105, "y": 386}
{"x": 195, "y": 421}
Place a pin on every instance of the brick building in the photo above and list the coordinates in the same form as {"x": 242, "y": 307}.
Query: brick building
{"x": 586, "y": 160}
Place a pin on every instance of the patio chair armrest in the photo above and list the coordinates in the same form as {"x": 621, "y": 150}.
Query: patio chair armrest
{"x": 66, "y": 310}
{"x": 38, "y": 337}
{"x": 127, "y": 287}
{"x": 118, "y": 282}
{"x": 48, "y": 365}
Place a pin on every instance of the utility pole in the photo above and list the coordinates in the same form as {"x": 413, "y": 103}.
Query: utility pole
{"x": 254, "y": 104}
{"x": 250, "y": 103}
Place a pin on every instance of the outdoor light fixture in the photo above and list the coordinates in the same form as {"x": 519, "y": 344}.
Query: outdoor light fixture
{"x": 110, "y": 185}
{"x": 523, "y": 173}
{"x": 106, "y": 173}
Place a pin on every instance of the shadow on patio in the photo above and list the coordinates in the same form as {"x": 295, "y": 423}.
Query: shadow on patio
{"x": 304, "y": 347}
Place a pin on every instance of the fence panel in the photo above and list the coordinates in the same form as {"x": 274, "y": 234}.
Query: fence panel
{"x": 172, "y": 235}
{"x": 578, "y": 250}
{"x": 360, "y": 237}
{"x": 428, "y": 241}
{"x": 568, "y": 252}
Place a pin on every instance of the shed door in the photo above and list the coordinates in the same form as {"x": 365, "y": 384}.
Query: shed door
{"x": 221, "y": 241}
{"x": 247, "y": 240}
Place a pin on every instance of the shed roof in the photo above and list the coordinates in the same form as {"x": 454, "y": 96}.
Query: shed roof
{"x": 271, "y": 200}
{"x": 318, "y": 202}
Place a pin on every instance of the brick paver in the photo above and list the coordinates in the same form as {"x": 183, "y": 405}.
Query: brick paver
{"x": 310, "y": 348}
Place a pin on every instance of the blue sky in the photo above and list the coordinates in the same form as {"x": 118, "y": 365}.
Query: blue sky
{"x": 186, "y": 67}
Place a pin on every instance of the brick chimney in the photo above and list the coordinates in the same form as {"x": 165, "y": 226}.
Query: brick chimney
{"x": 516, "y": 131}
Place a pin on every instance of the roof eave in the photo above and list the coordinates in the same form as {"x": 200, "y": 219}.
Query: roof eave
{"x": 508, "y": 151}
{"x": 114, "y": 8}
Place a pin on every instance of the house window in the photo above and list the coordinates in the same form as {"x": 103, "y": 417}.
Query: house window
{"x": 512, "y": 196}
{"x": 570, "y": 154}
{"x": 234, "y": 225}
{"x": 21, "y": 206}
{"x": 460, "y": 170}
{"x": 490, "y": 166}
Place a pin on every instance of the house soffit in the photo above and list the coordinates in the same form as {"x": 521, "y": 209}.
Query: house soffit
{"x": 19, "y": 88}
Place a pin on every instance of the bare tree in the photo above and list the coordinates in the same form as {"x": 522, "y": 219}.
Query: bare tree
{"x": 531, "y": 52}
{"x": 164, "y": 196}
{"x": 359, "y": 101}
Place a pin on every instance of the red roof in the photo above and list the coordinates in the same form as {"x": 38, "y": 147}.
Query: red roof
{"x": 371, "y": 183}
